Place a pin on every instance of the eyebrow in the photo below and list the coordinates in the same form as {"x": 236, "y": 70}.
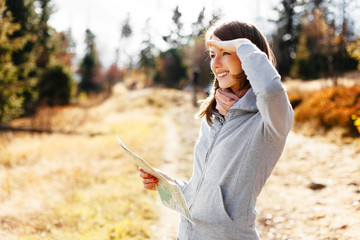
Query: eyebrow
{"x": 210, "y": 50}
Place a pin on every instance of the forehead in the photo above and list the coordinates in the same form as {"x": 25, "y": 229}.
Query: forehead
{"x": 213, "y": 37}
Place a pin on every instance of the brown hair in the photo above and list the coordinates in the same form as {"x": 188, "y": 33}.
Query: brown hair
{"x": 229, "y": 31}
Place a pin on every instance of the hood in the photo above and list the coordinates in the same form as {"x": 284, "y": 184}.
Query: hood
{"x": 245, "y": 104}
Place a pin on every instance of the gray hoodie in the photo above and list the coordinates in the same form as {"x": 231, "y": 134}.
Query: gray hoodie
{"x": 234, "y": 157}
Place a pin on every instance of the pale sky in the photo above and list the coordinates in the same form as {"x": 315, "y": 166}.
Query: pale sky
{"x": 105, "y": 18}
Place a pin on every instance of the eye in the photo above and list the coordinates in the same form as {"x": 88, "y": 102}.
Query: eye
{"x": 212, "y": 56}
{"x": 226, "y": 53}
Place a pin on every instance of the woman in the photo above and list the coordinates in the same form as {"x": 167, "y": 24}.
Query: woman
{"x": 246, "y": 120}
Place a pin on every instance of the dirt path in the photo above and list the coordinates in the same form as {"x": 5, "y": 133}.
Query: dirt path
{"x": 313, "y": 193}
{"x": 166, "y": 227}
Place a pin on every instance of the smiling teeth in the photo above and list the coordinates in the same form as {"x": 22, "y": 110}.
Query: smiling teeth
{"x": 222, "y": 74}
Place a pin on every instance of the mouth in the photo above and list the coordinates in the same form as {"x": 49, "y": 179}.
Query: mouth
{"x": 222, "y": 74}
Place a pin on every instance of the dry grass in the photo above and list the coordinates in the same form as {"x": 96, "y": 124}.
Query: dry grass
{"x": 300, "y": 86}
{"x": 83, "y": 186}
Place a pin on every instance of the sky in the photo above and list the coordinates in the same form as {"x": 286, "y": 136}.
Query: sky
{"x": 106, "y": 17}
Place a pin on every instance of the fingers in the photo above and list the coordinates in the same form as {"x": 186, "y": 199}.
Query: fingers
{"x": 148, "y": 180}
{"x": 145, "y": 175}
{"x": 225, "y": 45}
{"x": 150, "y": 183}
{"x": 229, "y": 45}
{"x": 212, "y": 43}
{"x": 150, "y": 186}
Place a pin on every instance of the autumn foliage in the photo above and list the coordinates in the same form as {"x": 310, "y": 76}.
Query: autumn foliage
{"x": 330, "y": 108}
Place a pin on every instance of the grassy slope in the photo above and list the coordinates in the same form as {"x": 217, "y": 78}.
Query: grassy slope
{"x": 83, "y": 186}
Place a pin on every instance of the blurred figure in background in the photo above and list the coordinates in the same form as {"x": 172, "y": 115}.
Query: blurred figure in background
{"x": 195, "y": 82}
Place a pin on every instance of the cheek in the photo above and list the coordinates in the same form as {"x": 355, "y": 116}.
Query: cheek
{"x": 212, "y": 67}
{"x": 236, "y": 64}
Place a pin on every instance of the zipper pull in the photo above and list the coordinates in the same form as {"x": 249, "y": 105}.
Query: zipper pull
{"x": 222, "y": 120}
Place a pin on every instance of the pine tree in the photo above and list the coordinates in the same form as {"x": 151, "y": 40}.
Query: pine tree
{"x": 170, "y": 69}
{"x": 198, "y": 27}
{"x": 175, "y": 38}
{"x": 125, "y": 34}
{"x": 147, "y": 54}
{"x": 286, "y": 38}
{"x": 90, "y": 65}
{"x": 23, "y": 13}
{"x": 24, "y": 58}
{"x": 44, "y": 47}
{"x": 195, "y": 54}
{"x": 10, "y": 99}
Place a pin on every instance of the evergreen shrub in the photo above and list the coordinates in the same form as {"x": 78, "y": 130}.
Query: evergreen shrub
{"x": 55, "y": 87}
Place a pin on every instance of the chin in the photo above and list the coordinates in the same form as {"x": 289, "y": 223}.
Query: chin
{"x": 224, "y": 86}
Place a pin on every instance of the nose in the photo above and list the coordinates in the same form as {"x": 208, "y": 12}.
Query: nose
{"x": 216, "y": 62}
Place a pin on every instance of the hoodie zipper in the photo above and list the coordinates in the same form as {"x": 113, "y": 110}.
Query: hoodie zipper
{"x": 222, "y": 122}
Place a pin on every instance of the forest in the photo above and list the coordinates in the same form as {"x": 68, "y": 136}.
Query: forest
{"x": 313, "y": 39}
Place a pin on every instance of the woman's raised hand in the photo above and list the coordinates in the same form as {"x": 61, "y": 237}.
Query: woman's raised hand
{"x": 228, "y": 45}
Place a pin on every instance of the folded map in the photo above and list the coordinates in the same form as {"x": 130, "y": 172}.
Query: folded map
{"x": 169, "y": 192}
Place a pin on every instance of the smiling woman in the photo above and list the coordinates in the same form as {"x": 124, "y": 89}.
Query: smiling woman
{"x": 245, "y": 123}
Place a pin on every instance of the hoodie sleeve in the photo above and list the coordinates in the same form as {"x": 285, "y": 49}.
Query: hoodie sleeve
{"x": 271, "y": 97}
{"x": 181, "y": 183}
